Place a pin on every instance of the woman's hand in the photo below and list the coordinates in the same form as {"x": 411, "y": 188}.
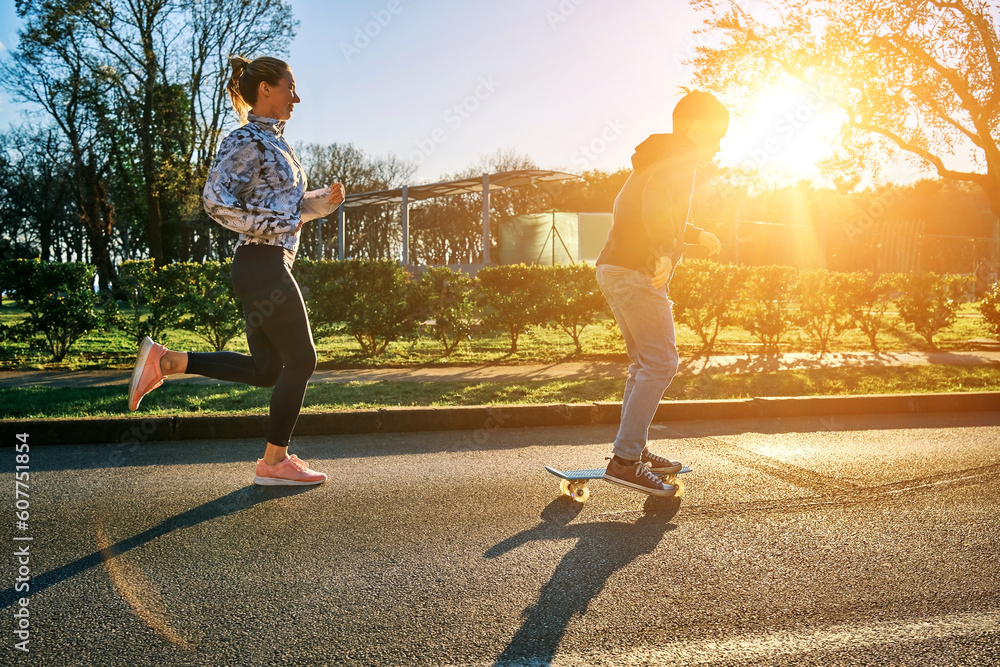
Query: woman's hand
{"x": 321, "y": 203}
{"x": 337, "y": 194}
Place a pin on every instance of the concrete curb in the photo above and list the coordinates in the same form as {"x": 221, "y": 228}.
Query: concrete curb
{"x": 479, "y": 417}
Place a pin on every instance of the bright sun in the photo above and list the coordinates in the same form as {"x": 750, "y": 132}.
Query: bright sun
{"x": 784, "y": 135}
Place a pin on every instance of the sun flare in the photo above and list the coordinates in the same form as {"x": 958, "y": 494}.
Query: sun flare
{"x": 785, "y": 134}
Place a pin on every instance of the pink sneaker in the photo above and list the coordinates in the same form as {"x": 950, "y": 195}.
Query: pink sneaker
{"x": 291, "y": 471}
{"x": 146, "y": 376}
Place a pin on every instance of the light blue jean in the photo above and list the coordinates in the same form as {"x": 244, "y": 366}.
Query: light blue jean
{"x": 644, "y": 316}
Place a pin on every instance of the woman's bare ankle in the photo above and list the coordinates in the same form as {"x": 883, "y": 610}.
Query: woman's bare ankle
{"x": 274, "y": 454}
{"x": 172, "y": 363}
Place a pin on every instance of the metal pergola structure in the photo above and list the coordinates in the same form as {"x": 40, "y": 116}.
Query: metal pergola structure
{"x": 404, "y": 195}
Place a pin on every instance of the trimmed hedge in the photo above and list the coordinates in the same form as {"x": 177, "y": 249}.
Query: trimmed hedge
{"x": 707, "y": 297}
{"x": 930, "y": 302}
{"x": 447, "y": 298}
{"x": 823, "y": 311}
{"x": 376, "y": 302}
{"x": 990, "y": 309}
{"x": 380, "y": 302}
{"x": 194, "y": 297}
{"x": 512, "y": 298}
{"x": 59, "y": 299}
{"x": 573, "y": 300}
{"x": 866, "y": 298}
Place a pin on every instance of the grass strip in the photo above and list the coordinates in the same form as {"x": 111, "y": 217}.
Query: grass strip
{"x": 184, "y": 398}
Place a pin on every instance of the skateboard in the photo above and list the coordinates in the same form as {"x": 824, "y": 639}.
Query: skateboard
{"x": 574, "y": 482}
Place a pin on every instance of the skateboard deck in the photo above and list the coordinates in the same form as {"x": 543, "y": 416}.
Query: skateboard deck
{"x": 574, "y": 482}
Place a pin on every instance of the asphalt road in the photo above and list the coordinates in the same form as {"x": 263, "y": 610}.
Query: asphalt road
{"x": 854, "y": 541}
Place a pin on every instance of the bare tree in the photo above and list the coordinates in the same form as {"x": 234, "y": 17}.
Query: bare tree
{"x": 52, "y": 70}
{"x": 373, "y": 231}
{"x": 37, "y": 218}
{"x": 448, "y": 230}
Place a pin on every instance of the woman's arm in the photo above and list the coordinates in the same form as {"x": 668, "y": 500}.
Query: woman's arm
{"x": 321, "y": 203}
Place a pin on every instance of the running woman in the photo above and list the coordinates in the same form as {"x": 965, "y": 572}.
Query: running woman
{"x": 257, "y": 187}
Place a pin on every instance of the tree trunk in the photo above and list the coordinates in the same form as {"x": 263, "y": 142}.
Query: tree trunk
{"x": 151, "y": 67}
{"x": 102, "y": 260}
{"x": 45, "y": 238}
{"x": 97, "y": 216}
{"x": 154, "y": 224}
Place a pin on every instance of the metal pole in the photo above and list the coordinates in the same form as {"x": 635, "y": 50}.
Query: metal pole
{"x": 340, "y": 232}
{"x": 579, "y": 242}
{"x": 319, "y": 239}
{"x": 486, "y": 218}
{"x": 406, "y": 226}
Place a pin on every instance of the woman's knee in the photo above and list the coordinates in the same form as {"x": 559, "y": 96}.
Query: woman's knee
{"x": 304, "y": 360}
{"x": 269, "y": 376}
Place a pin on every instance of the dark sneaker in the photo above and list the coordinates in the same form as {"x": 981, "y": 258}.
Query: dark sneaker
{"x": 660, "y": 465}
{"x": 637, "y": 477}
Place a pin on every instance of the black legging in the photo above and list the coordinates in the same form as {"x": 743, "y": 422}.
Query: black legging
{"x": 282, "y": 352}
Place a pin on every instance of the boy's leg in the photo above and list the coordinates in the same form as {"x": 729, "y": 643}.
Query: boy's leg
{"x": 651, "y": 326}
{"x": 645, "y": 319}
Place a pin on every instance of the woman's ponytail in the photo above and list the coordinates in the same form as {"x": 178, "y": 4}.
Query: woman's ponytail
{"x": 240, "y": 104}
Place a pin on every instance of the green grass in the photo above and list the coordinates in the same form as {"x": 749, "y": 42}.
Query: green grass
{"x": 183, "y": 398}
{"x": 112, "y": 349}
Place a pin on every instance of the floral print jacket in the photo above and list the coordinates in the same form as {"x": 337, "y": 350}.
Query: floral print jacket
{"x": 257, "y": 187}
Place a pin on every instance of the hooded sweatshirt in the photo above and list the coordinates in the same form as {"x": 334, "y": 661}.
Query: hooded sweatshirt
{"x": 650, "y": 215}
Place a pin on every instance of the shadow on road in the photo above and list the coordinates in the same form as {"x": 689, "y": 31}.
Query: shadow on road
{"x": 230, "y": 503}
{"x": 601, "y": 550}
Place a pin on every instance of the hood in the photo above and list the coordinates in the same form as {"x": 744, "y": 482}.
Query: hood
{"x": 658, "y": 146}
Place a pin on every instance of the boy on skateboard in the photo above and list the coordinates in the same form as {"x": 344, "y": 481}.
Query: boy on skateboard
{"x": 648, "y": 232}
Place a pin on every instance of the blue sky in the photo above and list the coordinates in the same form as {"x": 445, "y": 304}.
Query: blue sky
{"x": 574, "y": 84}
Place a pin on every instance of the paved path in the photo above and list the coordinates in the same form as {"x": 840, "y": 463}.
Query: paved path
{"x": 852, "y": 540}
{"x": 556, "y": 371}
